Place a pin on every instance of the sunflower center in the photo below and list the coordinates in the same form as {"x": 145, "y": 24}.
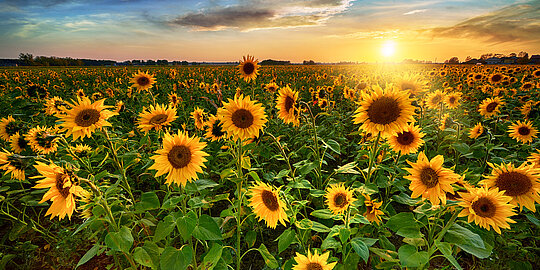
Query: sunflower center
{"x": 248, "y": 68}
{"x": 22, "y": 143}
{"x": 314, "y": 266}
{"x": 513, "y": 183}
{"x": 61, "y": 179}
{"x": 452, "y": 100}
{"x": 289, "y": 103}
{"x": 242, "y": 118}
{"x": 216, "y": 129}
{"x": 384, "y": 111}
{"x": 322, "y": 94}
{"x": 179, "y": 156}
{"x": 12, "y": 128}
{"x": 484, "y": 207}
{"x": 87, "y": 117}
{"x": 429, "y": 177}
{"x": 143, "y": 81}
{"x": 405, "y": 138}
{"x": 527, "y": 85}
{"x": 271, "y": 89}
{"x": 436, "y": 99}
{"x": 524, "y": 131}
{"x": 340, "y": 200}
{"x": 158, "y": 119}
{"x": 270, "y": 200}
{"x": 496, "y": 78}
{"x": 407, "y": 86}
{"x": 361, "y": 86}
{"x": 491, "y": 106}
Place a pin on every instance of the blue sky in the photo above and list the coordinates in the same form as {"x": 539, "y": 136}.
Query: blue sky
{"x": 324, "y": 30}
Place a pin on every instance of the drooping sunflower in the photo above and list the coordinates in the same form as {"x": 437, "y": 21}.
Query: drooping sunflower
{"x": 42, "y": 140}
{"x": 313, "y": 261}
{"x": 54, "y": 105}
{"x": 476, "y": 131}
{"x": 13, "y": 164}
{"x": 487, "y": 208}
{"x": 521, "y": 183}
{"x": 142, "y": 80}
{"x": 339, "y": 198}
{"x": 63, "y": 187}
{"x": 534, "y": 159}
{"x": 248, "y": 68}
{"x": 446, "y": 122}
{"x": 407, "y": 141}
{"x": 267, "y": 204}
{"x": 373, "y": 212}
{"x": 434, "y": 99}
{"x": 242, "y": 118}
{"x": 452, "y": 100}
{"x": 385, "y": 111}
{"x": 491, "y": 107}
{"x": 181, "y": 158}
{"x": 198, "y": 115}
{"x": 271, "y": 87}
{"x": 214, "y": 129}
{"x": 84, "y": 117}
{"x": 18, "y": 143}
{"x": 523, "y": 131}
{"x": 156, "y": 117}
{"x": 287, "y": 106}
{"x": 430, "y": 180}
{"x": 9, "y": 127}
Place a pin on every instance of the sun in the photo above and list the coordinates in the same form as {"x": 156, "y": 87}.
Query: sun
{"x": 388, "y": 48}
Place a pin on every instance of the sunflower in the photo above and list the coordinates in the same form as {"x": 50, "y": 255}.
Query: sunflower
{"x": 9, "y": 127}
{"x": 526, "y": 86}
{"x": 13, "y": 164}
{"x": 18, "y": 143}
{"x": 430, "y": 179}
{"x": 476, "y": 131}
{"x": 523, "y": 131}
{"x": 271, "y": 87}
{"x": 242, "y": 118}
{"x": 385, "y": 111}
{"x": 119, "y": 106}
{"x": 434, "y": 99}
{"x": 406, "y": 141}
{"x": 413, "y": 84}
{"x": 54, "y": 105}
{"x": 267, "y": 205}
{"x": 174, "y": 100}
{"x": 487, "y": 208}
{"x": 84, "y": 117}
{"x": 80, "y": 93}
{"x": 198, "y": 115}
{"x": 373, "y": 212}
{"x": 156, "y": 117}
{"x": 452, "y": 99}
{"x": 313, "y": 262}
{"x": 142, "y": 80}
{"x": 248, "y": 68}
{"x": 496, "y": 78}
{"x": 534, "y": 159}
{"x": 521, "y": 183}
{"x": 214, "y": 129}
{"x": 287, "y": 105}
{"x": 339, "y": 198}
{"x": 63, "y": 189}
{"x": 446, "y": 121}
{"x": 181, "y": 158}
{"x": 82, "y": 149}
{"x": 490, "y": 107}
{"x": 42, "y": 140}
{"x": 536, "y": 73}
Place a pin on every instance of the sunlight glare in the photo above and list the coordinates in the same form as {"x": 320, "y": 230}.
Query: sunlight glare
{"x": 388, "y": 49}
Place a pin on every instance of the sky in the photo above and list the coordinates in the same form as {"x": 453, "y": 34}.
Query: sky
{"x": 321, "y": 30}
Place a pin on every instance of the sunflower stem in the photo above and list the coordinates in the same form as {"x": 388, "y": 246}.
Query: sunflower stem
{"x": 316, "y": 140}
{"x": 184, "y": 211}
{"x": 372, "y": 157}
{"x": 120, "y": 165}
{"x": 239, "y": 206}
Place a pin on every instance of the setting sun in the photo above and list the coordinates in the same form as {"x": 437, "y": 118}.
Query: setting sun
{"x": 388, "y": 49}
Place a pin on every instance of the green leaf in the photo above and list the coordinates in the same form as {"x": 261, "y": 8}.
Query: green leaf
{"x": 176, "y": 259}
{"x": 186, "y": 225}
{"x": 532, "y": 219}
{"x": 333, "y": 145}
{"x": 149, "y": 201}
{"x": 322, "y": 213}
{"x": 304, "y": 224}
{"x": 147, "y": 255}
{"x": 344, "y": 235}
{"x": 171, "y": 203}
{"x": 251, "y": 237}
{"x": 282, "y": 173}
{"x": 410, "y": 257}
{"x": 399, "y": 220}
{"x": 318, "y": 227}
{"x": 254, "y": 175}
{"x": 207, "y": 229}
{"x": 468, "y": 241}
{"x": 404, "y": 198}
{"x": 164, "y": 228}
{"x": 213, "y": 256}
{"x": 359, "y": 219}
{"x": 18, "y": 229}
{"x": 410, "y": 231}
{"x": 285, "y": 240}
{"x": 268, "y": 258}
{"x": 446, "y": 250}
{"x": 88, "y": 255}
{"x": 463, "y": 148}
{"x": 120, "y": 241}
{"x": 361, "y": 248}
{"x": 348, "y": 168}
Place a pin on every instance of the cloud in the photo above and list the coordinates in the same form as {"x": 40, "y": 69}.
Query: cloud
{"x": 415, "y": 11}
{"x": 513, "y": 23}
{"x": 262, "y": 15}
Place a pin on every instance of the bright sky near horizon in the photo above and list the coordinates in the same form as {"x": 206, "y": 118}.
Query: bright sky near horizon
{"x": 322, "y": 30}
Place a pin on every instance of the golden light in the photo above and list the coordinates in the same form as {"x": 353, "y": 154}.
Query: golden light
{"x": 388, "y": 49}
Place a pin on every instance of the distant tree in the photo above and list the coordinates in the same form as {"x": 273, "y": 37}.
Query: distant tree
{"x": 523, "y": 54}
{"x": 512, "y": 55}
{"x": 498, "y": 55}
{"x": 486, "y": 56}
{"x": 310, "y": 62}
{"x": 453, "y": 60}
{"x": 468, "y": 59}
{"x": 26, "y": 58}
{"x": 150, "y": 62}
{"x": 162, "y": 62}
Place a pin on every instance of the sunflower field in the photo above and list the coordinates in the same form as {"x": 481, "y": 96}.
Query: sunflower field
{"x": 270, "y": 167}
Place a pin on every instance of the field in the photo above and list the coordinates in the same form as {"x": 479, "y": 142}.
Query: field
{"x": 270, "y": 167}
